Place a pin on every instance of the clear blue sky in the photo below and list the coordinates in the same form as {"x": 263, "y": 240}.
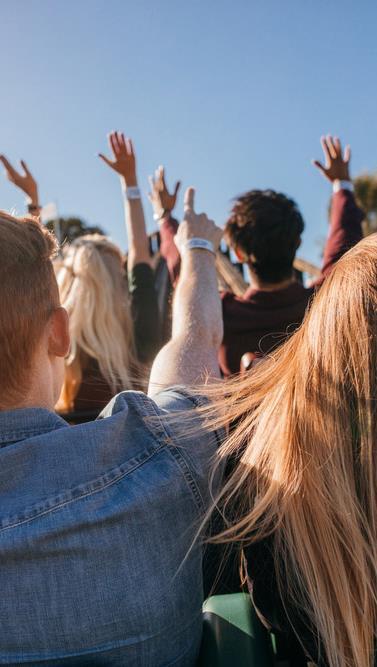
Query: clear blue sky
{"x": 229, "y": 95}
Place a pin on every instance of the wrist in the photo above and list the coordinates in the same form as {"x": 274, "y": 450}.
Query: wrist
{"x": 342, "y": 184}
{"x": 161, "y": 214}
{"x": 195, "y": 244}
{"x": 129, "y": 181}
{"x": 32, "y": 198}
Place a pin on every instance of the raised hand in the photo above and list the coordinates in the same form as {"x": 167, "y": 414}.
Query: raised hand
{"x": 337, "y": 162}
{"x": 162, "y": 201}
{"x": 25, "y": 181}
{"x": 123, "y": 159}
{"x": 196, "y": 225}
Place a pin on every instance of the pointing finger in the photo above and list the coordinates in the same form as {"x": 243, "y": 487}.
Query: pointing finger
{"x": 189, "y": 199}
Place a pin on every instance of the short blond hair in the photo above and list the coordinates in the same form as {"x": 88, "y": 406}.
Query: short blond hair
{"x": 28, "y": 295}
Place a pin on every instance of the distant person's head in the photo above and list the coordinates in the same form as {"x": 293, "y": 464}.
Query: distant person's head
{"x": 33, "y": 327}
{"x": 306, "y": 446}
{"x": 264, "y": 228}
{"x": 93, "y": 290}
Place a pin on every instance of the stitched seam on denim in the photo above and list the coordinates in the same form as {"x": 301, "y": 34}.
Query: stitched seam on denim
{"x": 104, "y": 648}
{"x": 181, "y": 461}
{"x": 13, "y": 436}
{"x": 84, "y": 494}
{"x": 198, "y": 401}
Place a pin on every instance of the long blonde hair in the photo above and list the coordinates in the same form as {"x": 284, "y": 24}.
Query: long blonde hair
{"x": 93, "y": 290}
{"x": 305, "y": 441}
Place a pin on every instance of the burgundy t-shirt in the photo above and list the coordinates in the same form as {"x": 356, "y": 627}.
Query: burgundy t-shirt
{"x": 260, "y": 320}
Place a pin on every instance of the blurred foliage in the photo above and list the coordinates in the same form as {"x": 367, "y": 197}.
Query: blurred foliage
{"x": 69, "y": 229}
{"x": 366, "y": 195}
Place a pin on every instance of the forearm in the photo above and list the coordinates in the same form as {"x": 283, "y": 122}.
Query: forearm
{"x": 168, "y": 249}
{"x": 191, "y": 354}
{"x": 345, "y": 228}
{"x": 138, "y": 242}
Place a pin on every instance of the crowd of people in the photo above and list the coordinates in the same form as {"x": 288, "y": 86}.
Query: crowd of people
{"x": 252, "y": 430}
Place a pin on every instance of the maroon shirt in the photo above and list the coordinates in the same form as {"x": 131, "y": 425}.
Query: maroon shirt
{"x": 260, "y": 320}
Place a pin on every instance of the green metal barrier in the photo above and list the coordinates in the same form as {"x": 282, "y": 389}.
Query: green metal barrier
{"x": 233, "y": 635}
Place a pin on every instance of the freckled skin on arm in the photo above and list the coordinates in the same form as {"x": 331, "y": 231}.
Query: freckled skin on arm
{"x": 191, "y": 354}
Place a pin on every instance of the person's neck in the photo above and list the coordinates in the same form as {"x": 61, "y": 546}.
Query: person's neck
{"x": 39, "y": 393}
{"x": 270, "y": 287}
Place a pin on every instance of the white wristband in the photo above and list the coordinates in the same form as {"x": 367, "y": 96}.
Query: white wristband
{"x": 342, "y": 185}
{"x": 132, "y": 193}
{"x": 194, "y": 243}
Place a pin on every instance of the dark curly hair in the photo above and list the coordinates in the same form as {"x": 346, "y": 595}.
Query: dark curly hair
{"x": 266, "y": 226}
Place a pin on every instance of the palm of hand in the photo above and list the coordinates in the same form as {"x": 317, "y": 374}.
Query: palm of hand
{"x": 25, "y": 182}
{"x": 160, "y": 196}
{"x": 336, "y": 162}
{"x": 124, "y": 161}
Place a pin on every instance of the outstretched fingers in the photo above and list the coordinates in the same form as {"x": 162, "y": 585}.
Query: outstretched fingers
{"x": 331, "y": 146}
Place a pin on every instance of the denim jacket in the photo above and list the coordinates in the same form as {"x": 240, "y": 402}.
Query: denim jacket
{"x": 98, "y": 559}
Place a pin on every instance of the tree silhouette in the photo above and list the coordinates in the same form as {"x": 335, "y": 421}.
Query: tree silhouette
{"x": 366, "y": 194}
{"x": 70, "y": 229}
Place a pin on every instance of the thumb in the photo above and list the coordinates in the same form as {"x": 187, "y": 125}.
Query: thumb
{"x": 105, "y": 159}
{"x": 319, "y": 166}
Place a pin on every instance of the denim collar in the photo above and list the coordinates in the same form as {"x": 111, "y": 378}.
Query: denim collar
{"x": 26, "y": 422}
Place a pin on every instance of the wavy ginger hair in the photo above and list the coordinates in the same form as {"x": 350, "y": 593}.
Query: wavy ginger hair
{"x": 93, "y": 291}
{"x": 306, "y": 451}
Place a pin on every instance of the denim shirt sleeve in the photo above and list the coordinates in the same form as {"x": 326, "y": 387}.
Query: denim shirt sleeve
{"x": 193, "y": 447}
{"x": 198, "y": 445}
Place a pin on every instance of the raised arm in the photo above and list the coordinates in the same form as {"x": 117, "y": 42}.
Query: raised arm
{"x": 143, "y": 296}
{"x": 191, "y": 354}
{"x": 24, "y": 181}
{"x": 346, "y": 217}
{"x": 123, "y": 161}
{"x": 163, "y": 205}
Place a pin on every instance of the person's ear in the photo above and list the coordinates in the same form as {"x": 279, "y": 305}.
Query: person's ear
{"x": 58, "y": 338}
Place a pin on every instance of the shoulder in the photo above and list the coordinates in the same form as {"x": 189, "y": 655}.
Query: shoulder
{"x": 173, "y": 413}
{"x": 173, "y": 420}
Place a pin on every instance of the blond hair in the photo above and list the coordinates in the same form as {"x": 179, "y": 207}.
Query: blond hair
{"x": 28, "y": 296}
{"x": 305, "y": 442}
{"x": 94, "y": 292}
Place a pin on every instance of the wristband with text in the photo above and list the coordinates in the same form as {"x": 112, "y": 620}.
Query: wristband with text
{"x": 194, "y": 243}
{"x": 132, "y": 193}
{"x": 342, "y": 185}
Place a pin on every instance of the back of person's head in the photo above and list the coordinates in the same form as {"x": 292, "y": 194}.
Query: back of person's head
{"x": 306, "y": 443}
{"x": 28, "y": 297}
{"x": 93, "y": 290}
{"x": 264, "y": 228}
